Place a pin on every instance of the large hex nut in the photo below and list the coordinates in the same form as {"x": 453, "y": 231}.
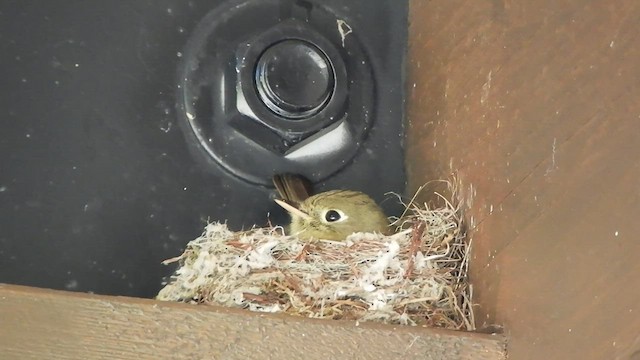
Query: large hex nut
{"x": 291, "y": 81}
{"x": 235, "y": 100}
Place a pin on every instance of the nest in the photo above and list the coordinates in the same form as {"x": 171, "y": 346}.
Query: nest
{"x": 417, "y": 276}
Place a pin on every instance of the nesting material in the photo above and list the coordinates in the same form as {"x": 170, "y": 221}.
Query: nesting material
{"x": 417, "y": 276}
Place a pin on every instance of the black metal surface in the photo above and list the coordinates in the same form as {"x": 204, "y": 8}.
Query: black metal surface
{"x": 97, "y": 182}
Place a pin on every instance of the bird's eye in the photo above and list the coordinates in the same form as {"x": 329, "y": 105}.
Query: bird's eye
{"x": 332, "y": 216}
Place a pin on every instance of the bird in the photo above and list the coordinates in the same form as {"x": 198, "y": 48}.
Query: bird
{"x": 329, "y": 215}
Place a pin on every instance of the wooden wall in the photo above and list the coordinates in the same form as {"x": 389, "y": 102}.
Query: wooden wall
{"x": 536, "y": 105}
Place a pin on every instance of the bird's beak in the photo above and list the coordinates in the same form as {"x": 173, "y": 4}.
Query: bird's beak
{"x": 292, "y": 209}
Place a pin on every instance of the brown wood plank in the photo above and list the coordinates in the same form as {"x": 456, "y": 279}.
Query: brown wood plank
{"x": 47, "y": 324}
{"x": 573, "y": 269}
{"x": 536, "y": 105}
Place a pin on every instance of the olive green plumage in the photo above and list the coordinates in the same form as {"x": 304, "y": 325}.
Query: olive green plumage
{"x": 336, "y": 214}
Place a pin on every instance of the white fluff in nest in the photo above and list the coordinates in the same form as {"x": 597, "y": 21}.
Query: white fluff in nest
{"x": 411, "y": 277}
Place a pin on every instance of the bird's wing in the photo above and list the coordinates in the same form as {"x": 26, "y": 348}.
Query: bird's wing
{"x": 292, "y": 188}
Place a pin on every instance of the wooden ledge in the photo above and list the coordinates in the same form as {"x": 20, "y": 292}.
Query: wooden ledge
{"x": 49, "y": 324}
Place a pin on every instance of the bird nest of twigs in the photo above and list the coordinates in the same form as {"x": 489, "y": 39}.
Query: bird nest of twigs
{"x": 417, "y": 276}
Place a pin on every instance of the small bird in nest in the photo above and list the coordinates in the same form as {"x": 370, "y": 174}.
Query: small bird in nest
{"x": 330, "y": 215}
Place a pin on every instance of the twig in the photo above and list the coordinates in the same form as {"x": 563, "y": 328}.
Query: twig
{"x": 172, "y": 260}
{"x": 416, "y": 239}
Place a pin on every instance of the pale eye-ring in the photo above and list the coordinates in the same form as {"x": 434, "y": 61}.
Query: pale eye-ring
{"x": 332, "y": 216}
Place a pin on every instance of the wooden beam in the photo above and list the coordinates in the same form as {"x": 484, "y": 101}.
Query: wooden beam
{"x": 535, "y": 105}
{"x": 49, "y": 324}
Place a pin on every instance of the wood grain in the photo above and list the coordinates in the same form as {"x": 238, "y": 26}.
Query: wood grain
{"x": 47, "y": 324}
{"x": 535, "y": 106}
